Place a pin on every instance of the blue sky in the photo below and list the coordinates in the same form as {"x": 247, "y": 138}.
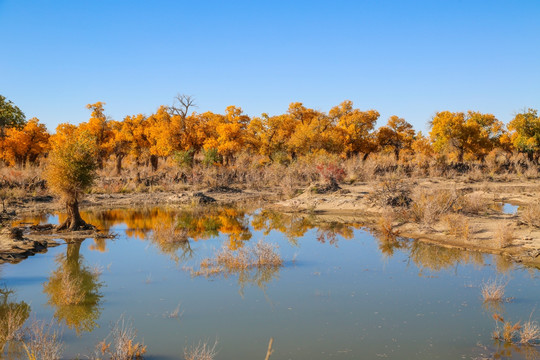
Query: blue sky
{"x": 406, "y": 58}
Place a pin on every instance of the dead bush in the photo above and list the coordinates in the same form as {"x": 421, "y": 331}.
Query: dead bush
{"x": 504, "y": 235}
{"x": 428, "y": 206}
{"x": 458, "y": 226}
{"x": 531, "y": 215}
{"x": 43, "y": 341}
{"x": 391, "y": 192}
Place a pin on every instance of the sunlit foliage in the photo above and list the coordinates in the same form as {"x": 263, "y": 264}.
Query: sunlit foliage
{"x": 526, "y": 132}
{"x": 25, "y": 145}
{"x": 71, "y": 170}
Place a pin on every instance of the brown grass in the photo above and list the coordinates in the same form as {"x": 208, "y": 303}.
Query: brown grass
{"x": 201, "y": 351}
{"x": 493, "y": 290}
{"x": 385, "y": 224}
{"x": 44, "y": 342}
{"x": 429, "y": 205}
{"x": 531, "y": 215}
{"x": 529, "y": 333}
{"x": 458, "y": 226}
{"x": 261, "y": 255}
{"x": 504, "y": 235}
{"x": 474, "y": 203}
{"x": 122, "y": 345}
{"x": 12, "y": 320}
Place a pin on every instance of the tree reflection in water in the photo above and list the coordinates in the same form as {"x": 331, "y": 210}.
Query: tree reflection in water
{"x": 74, "y": 291}
{"x": 12, "y": 317}
{"x": 437, "y": 258}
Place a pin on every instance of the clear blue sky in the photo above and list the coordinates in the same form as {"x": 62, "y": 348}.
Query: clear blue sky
{"x": 408, "y": 58}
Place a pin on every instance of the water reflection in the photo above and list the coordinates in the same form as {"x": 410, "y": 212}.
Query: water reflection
{"x": 74, "y": 294}
{"x": 12, "y": 317}
{"x": 73, "y": 290}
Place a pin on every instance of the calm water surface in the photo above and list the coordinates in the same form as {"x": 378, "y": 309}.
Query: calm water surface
{"x": 341, "y": 294}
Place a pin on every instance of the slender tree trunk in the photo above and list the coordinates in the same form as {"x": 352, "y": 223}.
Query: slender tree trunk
{"x": 119, "y": 159}
{"x": 154, "y": 162}
{"x": 74, "y": 221}
{"x": 460, "y": 156}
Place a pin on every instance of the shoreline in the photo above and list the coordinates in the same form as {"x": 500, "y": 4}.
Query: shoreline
{"x": 350, "y": 203}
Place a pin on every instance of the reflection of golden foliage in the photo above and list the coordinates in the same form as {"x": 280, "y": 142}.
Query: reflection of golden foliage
{"x": 12, "y": 317}
{"x": 169, "y": 240}
{"x": 295, "y": 226}
{"x": 436, "y": 258}
{"x": 73, "y": 291}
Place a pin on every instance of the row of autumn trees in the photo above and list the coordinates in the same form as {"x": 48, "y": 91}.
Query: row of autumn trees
{"x": 344, "y": 130}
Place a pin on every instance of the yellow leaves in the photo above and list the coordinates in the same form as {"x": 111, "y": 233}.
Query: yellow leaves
{"x": 472, "y": 133}
{"x": 26, "y": 144}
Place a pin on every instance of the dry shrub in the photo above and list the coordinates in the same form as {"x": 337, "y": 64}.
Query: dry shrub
{"x": 493, "y": 290}
{"x": 201, "y": 351}
{"x": 429, "y": 205}
{"x": 504, "y": 235}
{"x": 122, "y": 345}
{"x": 529, "y": 333}
{"x": 508, "y": 332}
{"x": 458, "y": 226}
{"x": 531, "y": 215}
{"x": 385, "y": 224}
{"x": 391, "y": 192}
{"x": 12, "y": 317}
{"x": 43, "y": 342}
{"x": 474, "y": 203}
{"x": 260, "y": 256}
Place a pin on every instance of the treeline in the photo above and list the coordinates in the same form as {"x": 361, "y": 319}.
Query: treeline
{"x": 219, "y": 138}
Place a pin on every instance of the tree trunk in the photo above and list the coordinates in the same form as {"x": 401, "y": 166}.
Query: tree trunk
{"x": 119, "y": 159}
{"x": 396, "y": 153}
{"x": 461, "y": 153}
{"x": 154, "y": 162}
{"x": 74, "y": 221}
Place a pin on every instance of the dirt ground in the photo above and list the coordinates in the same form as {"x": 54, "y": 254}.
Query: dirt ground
{"x": 350, "y": 203}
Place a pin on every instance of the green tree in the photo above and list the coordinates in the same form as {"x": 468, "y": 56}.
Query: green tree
{"x": 71, "y": 171}
{"x": 10, "y": 115}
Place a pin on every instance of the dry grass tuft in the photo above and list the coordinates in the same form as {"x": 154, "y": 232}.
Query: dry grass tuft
{"x": 261, "y": 255}
{"x": 508, "y": 332}
{"x": 122, "y": 345}
{"x": 474, "y": 203}
{"x": 385, "y": 224}
{"x": 459, "y": 226}
{"x": 12, "y": 318}
{"x": 44, "y": 342}
{"x": 201, "y": 351}
{"x": 529, "y": 333}
{"x": 429, "y": 205}
{"x": 531, "y": 215}
{"x": 493, "y": 290}
{"x": 504, "y": 235}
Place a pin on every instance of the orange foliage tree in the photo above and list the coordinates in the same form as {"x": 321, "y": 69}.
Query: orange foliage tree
{"x": 357, "y": 128}
{"x": 397, "y": 135}
{"x": 99, "y": 127}
{"x": 26, "y": 144}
